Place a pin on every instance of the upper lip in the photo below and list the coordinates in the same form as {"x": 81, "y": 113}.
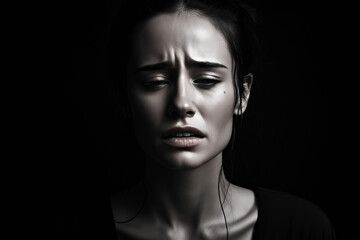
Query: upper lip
{"x": 185, "y": 129}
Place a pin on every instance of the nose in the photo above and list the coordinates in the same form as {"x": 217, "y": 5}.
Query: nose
{"x": 181, "y": 100}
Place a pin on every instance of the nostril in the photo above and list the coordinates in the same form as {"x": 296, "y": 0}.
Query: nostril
{"x": 176, "y": 111}
{"x": 190, "y": 113}
{"x": 173, "y": 112}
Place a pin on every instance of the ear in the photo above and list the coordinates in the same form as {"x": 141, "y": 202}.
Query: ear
{"x": 241, "y": 104}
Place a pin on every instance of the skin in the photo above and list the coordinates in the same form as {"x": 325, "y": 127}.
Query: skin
{"x": 167, "y": 87}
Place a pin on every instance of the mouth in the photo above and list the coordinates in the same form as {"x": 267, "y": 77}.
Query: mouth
{"x": 183, "y": 137}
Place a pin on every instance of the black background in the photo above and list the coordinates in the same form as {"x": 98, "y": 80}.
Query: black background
{"x": 291, "y": 124}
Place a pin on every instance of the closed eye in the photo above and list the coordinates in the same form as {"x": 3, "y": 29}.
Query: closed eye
{"x": 206, "y": 82}
{"x": 154, "y": 84}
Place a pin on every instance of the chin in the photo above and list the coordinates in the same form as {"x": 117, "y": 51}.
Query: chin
{"x": 184, "y": 160}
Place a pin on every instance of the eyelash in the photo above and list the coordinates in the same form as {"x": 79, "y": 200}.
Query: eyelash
{"x": 204, "y": 83}
{"x": 155, "y": 84}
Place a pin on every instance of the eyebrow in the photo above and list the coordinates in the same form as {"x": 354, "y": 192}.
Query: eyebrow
{"x": 205, "y": 64}
{"x": 191, "y": 63}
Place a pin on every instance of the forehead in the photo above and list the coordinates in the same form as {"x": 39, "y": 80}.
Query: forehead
{"x": 170, "y": 37}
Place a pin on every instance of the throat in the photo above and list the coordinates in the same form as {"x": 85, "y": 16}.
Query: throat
{"x": 186, "y": 196}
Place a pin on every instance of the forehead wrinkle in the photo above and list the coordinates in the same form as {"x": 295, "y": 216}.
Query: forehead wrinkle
{"x": 198, "y": 34}
{"x": 194, "y": 54}
{"x": 184, "y": 39}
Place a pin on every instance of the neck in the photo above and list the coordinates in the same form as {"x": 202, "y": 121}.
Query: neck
{"x": 185, "y": 196}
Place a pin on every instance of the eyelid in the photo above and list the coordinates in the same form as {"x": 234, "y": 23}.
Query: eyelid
{"x": 206, "y": 82}
{"x": 210, "y": 75}
{"x": 154, "y": 83}
{"x": 207, "y": 77}
{"x": 154, "y": 78}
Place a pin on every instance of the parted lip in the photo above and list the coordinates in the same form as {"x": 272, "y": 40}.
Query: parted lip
{"x": 183, "y": 130}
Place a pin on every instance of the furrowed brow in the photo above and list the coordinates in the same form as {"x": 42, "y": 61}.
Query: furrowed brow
{"x": 153, "y": 67}
{"x": 191, "y": 63}
{"x": 205, "y": 64}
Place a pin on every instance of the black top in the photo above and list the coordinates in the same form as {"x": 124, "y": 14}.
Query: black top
{"x": 283, "y": 216}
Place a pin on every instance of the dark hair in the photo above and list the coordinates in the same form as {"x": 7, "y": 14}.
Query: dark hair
{"x": 235, "y": 19}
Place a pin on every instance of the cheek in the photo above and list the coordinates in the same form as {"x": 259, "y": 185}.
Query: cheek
{"x": 219, "y": 115}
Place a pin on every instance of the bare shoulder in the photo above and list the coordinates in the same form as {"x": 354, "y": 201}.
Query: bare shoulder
{"x": 243, "y": 199}
{"x": 243, "y": 212}
{"x": 245, "y": 193}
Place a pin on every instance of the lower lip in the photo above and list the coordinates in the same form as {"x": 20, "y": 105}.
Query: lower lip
{"x": 182, "y": 142}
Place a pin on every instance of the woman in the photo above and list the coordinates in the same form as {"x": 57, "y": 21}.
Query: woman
{"x": 185, "y": 70}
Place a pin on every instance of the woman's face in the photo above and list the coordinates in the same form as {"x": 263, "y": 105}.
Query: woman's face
{"x": 181, "y": 91}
